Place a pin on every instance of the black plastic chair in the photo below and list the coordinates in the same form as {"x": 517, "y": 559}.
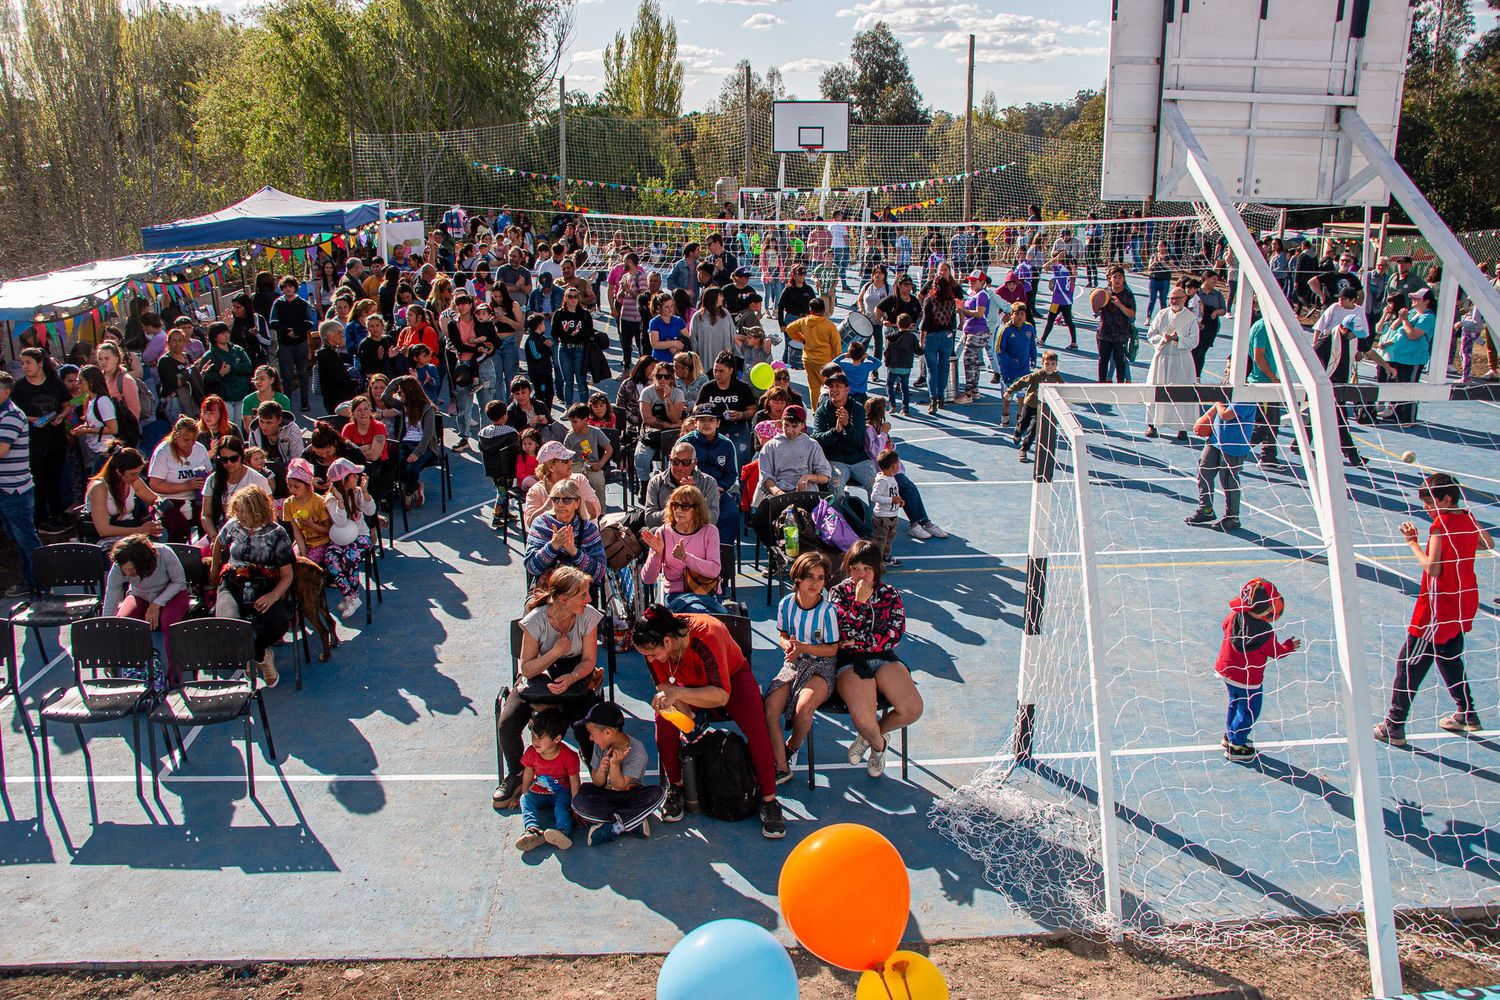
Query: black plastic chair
{"x": 220, "y": 648}
{"x": 763, "y": 520}
{"x": 445, "y": 483}
{"x": 67, "y": 564}
{"x": 195, "y": 569}
{"x": 620, "y": 470}
{"x": 102, "y": 649}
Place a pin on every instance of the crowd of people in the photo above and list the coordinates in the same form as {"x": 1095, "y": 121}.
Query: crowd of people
{"x": 180, "y": 427}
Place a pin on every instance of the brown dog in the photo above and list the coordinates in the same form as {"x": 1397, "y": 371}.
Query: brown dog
{"x": 310, "y": 582}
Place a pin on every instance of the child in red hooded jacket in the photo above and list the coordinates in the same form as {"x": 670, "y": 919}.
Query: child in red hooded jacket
{"x": 1249, "y": 643}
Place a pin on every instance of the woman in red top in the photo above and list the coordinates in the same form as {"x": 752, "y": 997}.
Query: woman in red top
{"x": 1445, "y": 609}
{"x": 364, "y": 431}
{"x": 698, "y": 667}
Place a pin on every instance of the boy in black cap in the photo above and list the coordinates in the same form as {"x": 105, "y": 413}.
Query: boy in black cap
{"x": 616, "y": 800}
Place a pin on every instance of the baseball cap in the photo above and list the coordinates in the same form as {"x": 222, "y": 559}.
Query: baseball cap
{"x": 795, "y": 413}
{"x": 978, "y": 275}
{"x": 1421, "y": 293}
{"x": 741, "y": 272}
{"x": 607, "y": 714}
{"x": 1260, "y": 595}
{"x": 706, "y": 410}
{"x": 551, "y": 451}
{"x": 836, "y": 376}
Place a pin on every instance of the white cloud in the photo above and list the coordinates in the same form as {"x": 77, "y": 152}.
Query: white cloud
{"x": 697, "y": 59}
{"x": 589, "y": 55}
{"x": 762, "y": 21}
{"x": 807, "y": 65}
{"x": 745, "y": 3}
{"x": 999, "y": 37}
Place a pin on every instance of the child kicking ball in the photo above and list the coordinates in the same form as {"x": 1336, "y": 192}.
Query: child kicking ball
{"x": 1249, "y": 643}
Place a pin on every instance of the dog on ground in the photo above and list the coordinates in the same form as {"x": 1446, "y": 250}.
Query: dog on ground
{"x": 310, "y": 583}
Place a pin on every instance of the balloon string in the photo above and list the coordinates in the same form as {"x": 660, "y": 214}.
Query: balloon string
{"x": 879, "y": 969}
{"x": 901, "y": 968}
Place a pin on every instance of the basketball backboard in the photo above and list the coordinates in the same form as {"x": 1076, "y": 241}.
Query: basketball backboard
{"x": 1261, "y": 84}
{"x": 810, "y": 126}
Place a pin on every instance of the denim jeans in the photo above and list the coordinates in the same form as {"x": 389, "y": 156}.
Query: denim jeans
{"x": 840, "y": 263}
{"x": 534, "y": 806}
{"x": 507, "y": 361}
{"x": 18, "y": 511}
{"x": 463, "y": 405}
{"x": 574, "y": 387}
{"x": 911, "y": 497}
{"x": 860, "y": 473}
{"x": 292, "y": 360}
{"x": 938, "y": 351}
{"x": 686, "y": 602}
{"x": 1159, "y": 287}
{"x": 1244, "y": 709}
{"x": 485, "y": 379}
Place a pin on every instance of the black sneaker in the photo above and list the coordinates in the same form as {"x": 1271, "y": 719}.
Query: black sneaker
{"x": 920, "y": 383}
{"x": 1203, "y": 515}
{"x": 671, "y": 809}
{"x": 1182, "y": 435}
{"x": 506, "y": 791}
{"x": 1355, "y": 459}
{"x": 1228, "y": 524}
{"x": 1239, "y": 753}
{"x": 772, "y": 826}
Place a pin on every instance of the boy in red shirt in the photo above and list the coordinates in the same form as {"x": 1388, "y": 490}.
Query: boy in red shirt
{"x": 549, "y": 783}
{"x": 1445, "y": 609}
{"x": 1249, "y": 643}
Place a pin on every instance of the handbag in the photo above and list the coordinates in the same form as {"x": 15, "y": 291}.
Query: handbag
{"x": 697, "y": 583}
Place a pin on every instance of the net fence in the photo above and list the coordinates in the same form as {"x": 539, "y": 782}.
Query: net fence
{"x": 1214, "y": 852}
{"x": 675, "y": 167}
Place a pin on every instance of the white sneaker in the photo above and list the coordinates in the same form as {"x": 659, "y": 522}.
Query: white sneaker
{"x": 857, "y": 750}
{"x": 875, "y": 766}
{"x": 350, "y": 605}
{"x": 268, "y": 675}
{"x": 918, "y": 532}
{"x": 935, "y": 530}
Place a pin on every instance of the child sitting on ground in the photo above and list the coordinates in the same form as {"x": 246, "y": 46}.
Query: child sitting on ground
{"x": 549, "y": 784}
{"x": 1249, "y": 643}
{"x": 1228, "y": 427}
{"x": 493, "y": 438}
{"x": 885, "y": 502}
{"x": 615, "y": 800}
{"x": 858, "y": 366}
{"x": 1031, "y": 385}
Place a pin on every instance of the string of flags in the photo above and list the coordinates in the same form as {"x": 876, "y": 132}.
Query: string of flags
{"x": 579, "y": 182}
{"x": 947, "y": 179}
{"x": 914, "y": 206}
{"x": 180, "y": 291}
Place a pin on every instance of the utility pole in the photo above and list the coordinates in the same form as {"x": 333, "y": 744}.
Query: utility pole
{"x": 745, "y": 181}
{"x": 562, "y": 139}
{"x": 969, "y": 139}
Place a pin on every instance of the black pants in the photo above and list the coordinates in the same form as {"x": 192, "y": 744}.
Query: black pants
{"x": 1066, "y": 312}
{"x": 1200, "y": 353}
{"x": 1114, "y": 354}
{"x": 1411, "y": 669}
{"x": 267, "y": 627}
{"x": 292, "y": 360}
{"x": 47, "y": 472}
{"x": 631, "y": 333}
{"x": 1408, "y": 374}
{"x": 525, "y": 698}
{"x": 1267, "y": 420}
{"x": 1026, "y": 428}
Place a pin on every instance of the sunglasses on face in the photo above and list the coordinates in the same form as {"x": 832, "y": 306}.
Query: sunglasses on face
{"x": 677, "y": 505}
{"x": 682, "y": 461}
{"x": 663, "y": 378}
{"x": 231, "y": 459}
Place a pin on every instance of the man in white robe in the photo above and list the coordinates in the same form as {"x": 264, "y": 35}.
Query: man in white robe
{"x": 1173, "y": 335}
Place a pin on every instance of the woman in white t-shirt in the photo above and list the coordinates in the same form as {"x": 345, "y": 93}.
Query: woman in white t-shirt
{"x": 179, "y": 465}
{"x": 230, "y": 475}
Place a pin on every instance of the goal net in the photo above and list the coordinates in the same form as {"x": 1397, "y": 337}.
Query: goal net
{"x": 1112, "y": 807}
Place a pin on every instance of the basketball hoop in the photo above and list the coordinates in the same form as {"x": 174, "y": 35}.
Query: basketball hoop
{"x": 811, "y": 152}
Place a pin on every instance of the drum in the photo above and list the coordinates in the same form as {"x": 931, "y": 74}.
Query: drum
{"x": 856, "y": 327}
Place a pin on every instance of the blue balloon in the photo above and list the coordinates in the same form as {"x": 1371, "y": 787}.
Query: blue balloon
{"x": 728, "y": 960}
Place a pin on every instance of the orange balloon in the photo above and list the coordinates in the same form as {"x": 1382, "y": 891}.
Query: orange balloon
{"x": 845, "y": 894}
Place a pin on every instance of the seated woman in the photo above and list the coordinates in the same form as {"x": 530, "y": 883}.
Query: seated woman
{"x": 349, "y": 507}
{"x": 324, "y": 445}
{"x": 698, "y": 667}
{"x": 554, "y": 464}
{"x": 808, "y": 626}
{"x": 231, "y": 474}
{"x": 686, "y": 552}
{"x": 118, "y": 503}
{"x": 267, "y": 382}
{"x": 420, "y": 446}
{"x": 253, "y": 561}
{"x": 562, "y": 536}
{"x": 179, "y": 466}
{"x": 214, "y": 422}
{"x": 146, "y": 582}
{"x": 369, "y": 436}
{"x": 559, "y": 646}
{"x": 872, "y": 621}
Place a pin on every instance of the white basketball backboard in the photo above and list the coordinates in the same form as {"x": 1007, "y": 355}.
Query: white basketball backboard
{"x": 1261, "y": 84}
{"x": 822, "y": 126}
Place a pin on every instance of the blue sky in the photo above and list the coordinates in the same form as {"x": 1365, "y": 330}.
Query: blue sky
{"x": 1027, "y": 50}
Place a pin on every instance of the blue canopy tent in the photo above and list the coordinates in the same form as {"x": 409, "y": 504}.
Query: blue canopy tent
{"x": 265, "y": 215}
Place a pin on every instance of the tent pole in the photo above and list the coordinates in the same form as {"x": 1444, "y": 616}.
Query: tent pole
{"x": 380, "y": 246}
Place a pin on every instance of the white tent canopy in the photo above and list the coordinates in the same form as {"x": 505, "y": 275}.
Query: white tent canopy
{"x": 74, "y": 288}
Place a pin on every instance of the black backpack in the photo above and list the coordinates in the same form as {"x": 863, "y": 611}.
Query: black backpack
{"x": 727, "y": 788}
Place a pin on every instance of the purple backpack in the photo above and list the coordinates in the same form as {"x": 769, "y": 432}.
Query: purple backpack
{"x": 832, "y": 527}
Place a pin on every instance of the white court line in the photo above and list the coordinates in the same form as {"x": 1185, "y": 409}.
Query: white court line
{"x": 1247, "y": 549}
{"x": 928, "y": 762}
{"x": 442, "y": 520}
{"x": 42, "y": 672}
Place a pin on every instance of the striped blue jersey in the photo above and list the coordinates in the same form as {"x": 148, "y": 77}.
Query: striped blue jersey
{"x": 815, "y": 626}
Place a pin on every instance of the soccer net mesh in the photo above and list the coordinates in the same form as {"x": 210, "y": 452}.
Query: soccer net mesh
{"x": 1209, "y": 851}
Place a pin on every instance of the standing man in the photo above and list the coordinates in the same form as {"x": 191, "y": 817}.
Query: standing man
{"x": 723, "y": 262}
{"x": 290, "y": 322}
{"x": 1331, "y": 283}
{"x": 838, "y": 235}
{"x": 684, "y": 273}
{"x": 17, "y": 489}
{"x": 1211, "y": 309}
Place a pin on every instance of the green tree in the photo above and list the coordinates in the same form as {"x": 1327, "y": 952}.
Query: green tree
{"x": 642, "y": 76}
{"x": 876, "y": 81}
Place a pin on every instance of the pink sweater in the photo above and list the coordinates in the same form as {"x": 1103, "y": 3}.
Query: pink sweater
{"x": 701, "y": 555}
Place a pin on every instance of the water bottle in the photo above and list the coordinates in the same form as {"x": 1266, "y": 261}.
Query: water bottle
{"x": 790, "y": 540}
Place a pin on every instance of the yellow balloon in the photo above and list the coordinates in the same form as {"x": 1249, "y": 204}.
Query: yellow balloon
{"x": 904, "y": 976}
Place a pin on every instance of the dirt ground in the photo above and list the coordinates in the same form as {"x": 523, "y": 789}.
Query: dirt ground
{"x": 1010, "y": 968}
